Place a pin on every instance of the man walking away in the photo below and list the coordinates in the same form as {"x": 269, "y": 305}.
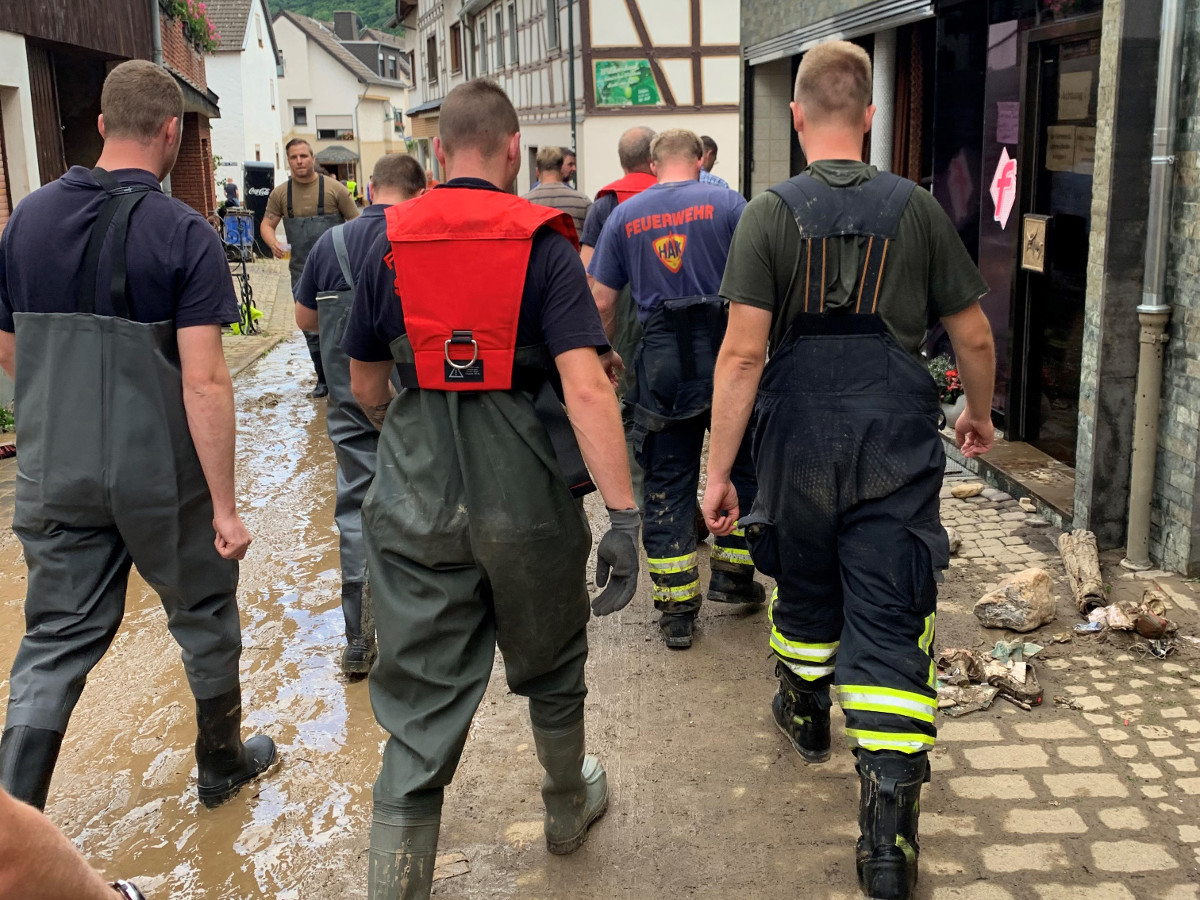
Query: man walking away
{"x": 708, "y": 161}
{"x": 473, "y": 535}
{"x": 669, "y": 245}
{"x": 309, "y": 204}
{"x": 127, "y": 436}
{"x": 323, "y": 300}
{"x": 551, "y": 191}
{"x": 231, "y": 192}
{"x": 837, "y": 273}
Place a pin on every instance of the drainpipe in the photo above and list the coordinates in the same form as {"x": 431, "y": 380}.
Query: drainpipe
{"x": 358, "y": 134}
{"x": 1154, "y": 313}
{"x": 883, "y": 93}
{"x": 571, "y": 77}
{"x": 156, "y": 32}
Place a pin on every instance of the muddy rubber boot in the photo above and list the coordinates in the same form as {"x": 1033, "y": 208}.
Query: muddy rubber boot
{"x": 802, "y": 714}
{"x": 574, "y": 789}
{"x": 886, "y": 856}
{"x": 27, "y": 758}
{"x": 313, "y": 339}
{"x": 403, "y": 852}
{"x": 677, "y": 629}
{"x": 360, "y": 649}
{"x": 735, "y": 587}
{"x": 223, "y": 763}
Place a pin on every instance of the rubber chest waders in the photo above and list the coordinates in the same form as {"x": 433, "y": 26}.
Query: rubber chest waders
{"x": 302, "y": 233}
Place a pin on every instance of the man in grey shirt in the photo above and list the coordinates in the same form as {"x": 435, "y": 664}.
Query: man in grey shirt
{"x": 553, "y": 192}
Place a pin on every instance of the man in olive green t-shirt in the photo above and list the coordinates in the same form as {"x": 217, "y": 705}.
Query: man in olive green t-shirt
{"x": 838, "y": 272}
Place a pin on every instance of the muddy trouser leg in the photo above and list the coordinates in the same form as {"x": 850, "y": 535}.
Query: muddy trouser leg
{"x": 671, "y": 458}
{"x": 731, "y": 553}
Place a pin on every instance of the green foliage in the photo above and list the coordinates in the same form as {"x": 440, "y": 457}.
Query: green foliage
{"x": 945, "y": 373}
{"x": 7, "y": 422}
{"x": 374, "y": 13}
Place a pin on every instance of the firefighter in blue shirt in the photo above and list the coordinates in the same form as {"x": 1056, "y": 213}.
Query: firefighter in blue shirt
{"x": 669, "y": 243}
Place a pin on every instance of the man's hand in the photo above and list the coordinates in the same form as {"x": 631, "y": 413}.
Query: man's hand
{"x": 974, "y": 434}
{"x": 618, "y": 555}
{"x": 720, "y": 506}
{"x": 267, "y": 232}
{"x": 613, "y": 367}
{"x": 232, "y": 537}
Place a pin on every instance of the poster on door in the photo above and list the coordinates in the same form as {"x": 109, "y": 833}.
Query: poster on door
{"x": 1060, "y": 148}
{"x": 1004, "y": 188}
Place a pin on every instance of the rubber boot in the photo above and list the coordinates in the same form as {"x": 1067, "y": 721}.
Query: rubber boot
{"x": 801, "y": 711}
{"x": 403, "y": 853}
{"x": 735, "y": 587}
{"x": 677, "y": 629}
{"x": 574, "y": 789}
{"x": 27, "y": 758}
{"x": 314, "y": 351}
{"x": 886, "y": 856}
{"x": 223, "y": 763}
{"x": 360, "y": 649}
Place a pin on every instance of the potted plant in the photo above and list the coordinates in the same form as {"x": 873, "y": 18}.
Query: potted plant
{"x": 950, "y": 390}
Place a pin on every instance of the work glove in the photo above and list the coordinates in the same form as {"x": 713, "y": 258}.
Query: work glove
{"x": 618, "y": 555}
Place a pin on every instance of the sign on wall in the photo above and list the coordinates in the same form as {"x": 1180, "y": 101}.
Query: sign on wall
{"x": 625, "y": 82}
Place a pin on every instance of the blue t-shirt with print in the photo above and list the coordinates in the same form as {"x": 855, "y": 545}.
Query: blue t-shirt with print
{"x": 668, "y": 242}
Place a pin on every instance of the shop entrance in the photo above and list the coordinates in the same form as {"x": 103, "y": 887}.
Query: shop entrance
{"x": 1059, "y": 131}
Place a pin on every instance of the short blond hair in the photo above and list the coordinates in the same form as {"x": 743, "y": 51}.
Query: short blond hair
{"x": 834, "y": 82}
{"x": 675, "y": 143}
{"x": 137, "y": 99}
{"x": 549, "y": 159}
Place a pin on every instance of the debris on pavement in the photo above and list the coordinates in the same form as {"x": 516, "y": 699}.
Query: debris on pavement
{"x": 966, "y": 490}
{"x": 1063, "y": 637}
{"x": 1028, "y": 505}
{"x": 1067, "y": 703}
{"x": 1021, "y": 602}
{"x": 969, "y": 681}
{"x": 450, "y": 865}
{"x": 1147, "y": 618}
{"x": 1082, "y": 562}
{"x": 958, "y": 701}
{"x": 955, "y": 539}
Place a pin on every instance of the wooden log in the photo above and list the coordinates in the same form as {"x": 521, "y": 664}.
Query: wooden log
{"x": 1082, "y": 562}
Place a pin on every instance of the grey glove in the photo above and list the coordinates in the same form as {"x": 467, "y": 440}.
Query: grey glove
{"x": 618, "y": 554}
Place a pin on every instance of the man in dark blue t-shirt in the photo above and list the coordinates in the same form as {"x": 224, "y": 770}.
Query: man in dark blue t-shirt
{"x": 324, "y": 296}
{"x": 127, "y": 436}
{"x": 669, "y": 244}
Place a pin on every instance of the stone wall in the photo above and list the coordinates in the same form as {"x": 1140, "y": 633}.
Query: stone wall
{"x": 771, "y": 131}
{"x": 192, "y": 177}
{"x": 181, "y": 54}
{"x": 1175, "y": 530}
{"x": 764, "y": 19}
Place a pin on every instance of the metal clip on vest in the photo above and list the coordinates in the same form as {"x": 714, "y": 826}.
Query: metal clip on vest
{"x": 462, "y": 337}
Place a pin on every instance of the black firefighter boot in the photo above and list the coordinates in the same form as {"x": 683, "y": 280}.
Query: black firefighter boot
{"x": 27, "y": 758}
{"x": 223, "y": 763}
{"x": 314, "y": 352}
{"x": 360, "y": 649}
{"x": 677, "y": 629}
{"x": 735, "y": 586}
{"x": 574, "y": 789}
{"x": 886, "y": 855}
{"x": 802, "y": 713}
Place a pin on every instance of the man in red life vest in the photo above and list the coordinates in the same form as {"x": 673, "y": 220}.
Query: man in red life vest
{"x": 473, "y": 535}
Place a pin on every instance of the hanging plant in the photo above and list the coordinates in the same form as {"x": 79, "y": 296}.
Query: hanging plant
{"x": 196, "y": 26}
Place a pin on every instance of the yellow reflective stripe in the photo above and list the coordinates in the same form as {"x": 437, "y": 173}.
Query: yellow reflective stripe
{"x": 799, "y": 650}
{"x": 893, "y": 693}
{"x": 904, "y": 742}
{"x": 731, "y": 554}
{"x": 925, "y": 642}
{"x": 677, "y": 594}
{"x": 808, "y": 673}
{"x": 738, "y": 531}
{"x": 674, "y": 564}
{"x": 891, "y": 707}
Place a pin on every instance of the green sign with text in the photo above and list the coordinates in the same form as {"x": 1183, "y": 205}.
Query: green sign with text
{"x": 625, "y": 82}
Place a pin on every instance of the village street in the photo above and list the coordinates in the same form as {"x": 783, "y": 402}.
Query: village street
{"x": 1095, "y": 793}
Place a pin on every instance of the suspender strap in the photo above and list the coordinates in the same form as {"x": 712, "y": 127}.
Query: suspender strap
{"x": 118, "y": 206}
{"x": 872, "y": 275}
{"x": 118, "y": 287}
{"x": 343, "y": 256}
{"x": 320, "y": 197}
{"x": 290, "y": 214}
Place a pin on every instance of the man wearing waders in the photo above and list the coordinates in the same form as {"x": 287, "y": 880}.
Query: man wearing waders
{"x": 127, "y": 436}
{"x": 838, "y": 272}
{"x": 309, "y": 205}
{"x": 669, "y": 245}
{"x": 474, "y": 537}
{"x": 323, "y": 300}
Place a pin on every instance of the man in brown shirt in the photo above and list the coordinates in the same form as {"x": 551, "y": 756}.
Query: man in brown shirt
{"x": 553, "y": 192}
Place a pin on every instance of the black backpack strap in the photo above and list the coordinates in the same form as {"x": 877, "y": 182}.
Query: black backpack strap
{"x": 118, "y": 205}
{"x": 343, "y": 255}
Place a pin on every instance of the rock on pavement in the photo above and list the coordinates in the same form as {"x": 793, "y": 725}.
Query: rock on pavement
{"x": 1021, "y": 602}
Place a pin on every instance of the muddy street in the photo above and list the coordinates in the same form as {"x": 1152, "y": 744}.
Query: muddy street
{"x": 708, "y": 799}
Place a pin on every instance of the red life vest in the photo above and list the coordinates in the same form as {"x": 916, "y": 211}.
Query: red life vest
{"x": 629, "y": 186}
{"x": 460, "y": 256}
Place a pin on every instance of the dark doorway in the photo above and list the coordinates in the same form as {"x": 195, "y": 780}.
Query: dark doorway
{"x": 1059, "y": 127}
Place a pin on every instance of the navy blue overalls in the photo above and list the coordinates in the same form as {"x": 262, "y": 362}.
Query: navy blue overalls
{"x": 850, "y": 466}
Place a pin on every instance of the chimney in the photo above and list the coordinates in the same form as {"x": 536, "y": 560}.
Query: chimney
{"x": 345, "y": 25}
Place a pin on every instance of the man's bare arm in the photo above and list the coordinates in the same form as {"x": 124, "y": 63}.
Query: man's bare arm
{"x": 8, "y": 353}
{"x": 971, "y": 336}
{"x": 606, "y": 301}
{"x": 307, "y": 319}
{"x": 371, "y": 384}
{"x": 596, "y": 419}
{"x": 735, "y": 384}
{"x": 37, "y": 862}
{"x": 267, "y": 231}
{"x": 208, "y": 400}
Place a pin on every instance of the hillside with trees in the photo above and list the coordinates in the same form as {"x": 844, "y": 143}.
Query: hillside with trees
{"x": 374, "y": 13}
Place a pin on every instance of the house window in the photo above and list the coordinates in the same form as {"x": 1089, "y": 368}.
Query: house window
{"x": 258, "y": 153}
{"x": 392, "y": 68}
{"x": 258, "y": 29}
{"x": 483, "y": 48}
{"x": 552, "y": 24}
{"x": 431, "y": 60}
{"x": 512, "y": 34}
{"x": 335, "y": 128}
{"x": 299, "y": 115}
{"x": 455, "y": 48}
{"x": 272, "y": 93}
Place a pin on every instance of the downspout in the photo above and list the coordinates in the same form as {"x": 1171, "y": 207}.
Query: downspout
{"x": 1154, "y": 313}
{"x": 884, "y": 98}
{"x": 156, "y": 32}
{"x": 358, "y": 134}
{"x": 571, "y": 77}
